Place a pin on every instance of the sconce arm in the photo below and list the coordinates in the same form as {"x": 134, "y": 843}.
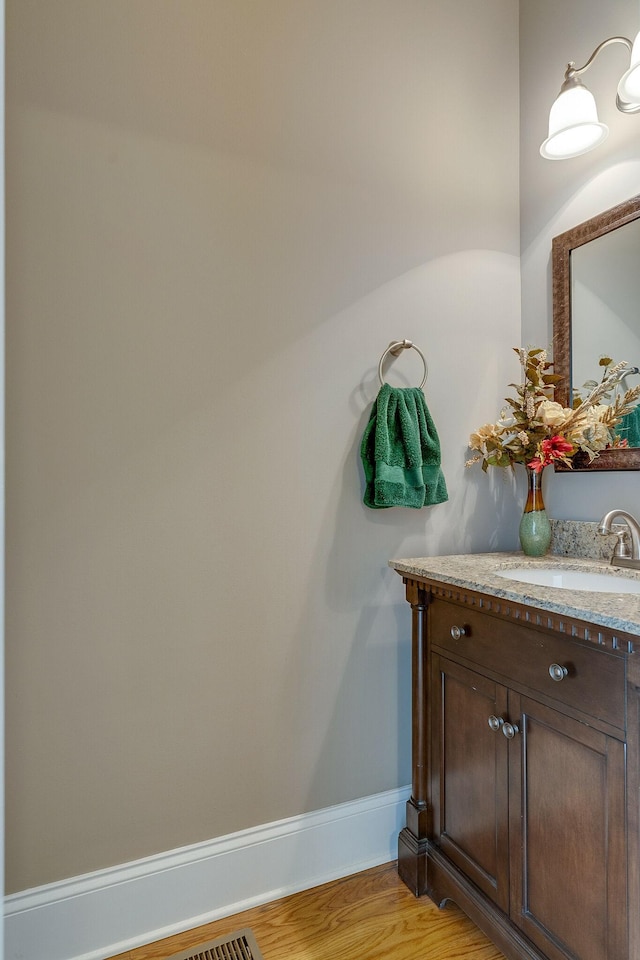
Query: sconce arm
{"x": 573, "y": 71}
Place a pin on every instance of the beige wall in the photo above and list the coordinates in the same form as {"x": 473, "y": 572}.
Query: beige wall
{"x": 556, "y": 196}
{"x": 220, "y": 212}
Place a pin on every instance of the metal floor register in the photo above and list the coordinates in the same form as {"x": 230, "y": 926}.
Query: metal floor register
{"x": 237, "y": 946}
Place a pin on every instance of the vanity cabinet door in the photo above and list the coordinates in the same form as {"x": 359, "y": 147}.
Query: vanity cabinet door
{"x": 567, "y": 836}
{"x": 469, "y": 787}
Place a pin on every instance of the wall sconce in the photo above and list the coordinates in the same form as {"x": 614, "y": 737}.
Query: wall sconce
{"x": 574, "y": 128}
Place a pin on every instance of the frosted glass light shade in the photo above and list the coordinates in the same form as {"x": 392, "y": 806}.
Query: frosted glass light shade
{"x": 574, "y": 128}
{"x": 629, "y": 86}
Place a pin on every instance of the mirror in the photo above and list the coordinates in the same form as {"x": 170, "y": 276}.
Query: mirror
{"x": 596, "y": 310}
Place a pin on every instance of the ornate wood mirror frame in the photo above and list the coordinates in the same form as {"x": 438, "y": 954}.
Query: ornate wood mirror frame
{"x": 562, "y": 245}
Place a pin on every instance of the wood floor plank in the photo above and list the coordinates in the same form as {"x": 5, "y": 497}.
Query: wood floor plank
{"x": 368, "y": 916}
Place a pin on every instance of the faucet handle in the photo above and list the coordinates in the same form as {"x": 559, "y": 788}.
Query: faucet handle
{"x": 622, "y": 548}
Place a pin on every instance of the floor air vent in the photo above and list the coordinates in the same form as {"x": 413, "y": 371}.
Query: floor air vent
{"x": 237, "y": 946}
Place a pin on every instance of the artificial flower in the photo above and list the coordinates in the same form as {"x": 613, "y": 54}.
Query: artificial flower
{"x": 550, "y": 450}
{"x": 538, "y": 431}
{"x": 552, "y": 414}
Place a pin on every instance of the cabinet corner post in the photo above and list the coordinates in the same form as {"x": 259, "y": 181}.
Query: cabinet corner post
{"x": 418, "y": 597}
{"x": 412, "y": 842}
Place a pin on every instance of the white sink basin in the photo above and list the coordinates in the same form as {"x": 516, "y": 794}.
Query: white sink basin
{"x": 572, "y": 579}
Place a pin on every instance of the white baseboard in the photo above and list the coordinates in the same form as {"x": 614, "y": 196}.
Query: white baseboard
{"x": 101, "y": 914}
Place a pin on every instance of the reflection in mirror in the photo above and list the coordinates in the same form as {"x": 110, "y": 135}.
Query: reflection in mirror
{"x": 596, "y": 312}
{"x": 605, "y": 304}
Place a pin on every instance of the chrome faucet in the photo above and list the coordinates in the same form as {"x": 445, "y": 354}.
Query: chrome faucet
{"x": 627, "y": 549}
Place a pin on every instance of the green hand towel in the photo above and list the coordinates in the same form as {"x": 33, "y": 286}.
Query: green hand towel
{"x": 400, "y": 452}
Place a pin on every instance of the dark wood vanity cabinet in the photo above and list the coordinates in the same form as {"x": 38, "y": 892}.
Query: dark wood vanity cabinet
{"x": 524, "y": 808}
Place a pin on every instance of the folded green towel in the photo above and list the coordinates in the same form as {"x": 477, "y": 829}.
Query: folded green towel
{"x": 629, "y": 428}
{"x": 400, "y": 452}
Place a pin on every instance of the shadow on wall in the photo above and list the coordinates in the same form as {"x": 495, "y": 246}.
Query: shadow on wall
{"x": 496, "y": 528}
{"x": 366, "y": 662}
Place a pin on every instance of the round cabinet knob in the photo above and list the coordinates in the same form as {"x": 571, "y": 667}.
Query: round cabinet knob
{"x": 457, "y": 632}
{"x": 510, "y": 730}
{"x": 495, "y": 723}
{"x": 557, "y": 672}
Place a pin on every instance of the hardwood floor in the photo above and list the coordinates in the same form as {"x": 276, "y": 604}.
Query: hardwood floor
{"x": 369, "y": 916}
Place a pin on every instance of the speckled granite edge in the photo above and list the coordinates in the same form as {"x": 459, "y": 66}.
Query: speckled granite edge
{"x": 479, "y": 572}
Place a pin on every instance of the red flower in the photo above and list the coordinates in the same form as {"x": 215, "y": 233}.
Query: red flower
{"x": 555, "y": 447}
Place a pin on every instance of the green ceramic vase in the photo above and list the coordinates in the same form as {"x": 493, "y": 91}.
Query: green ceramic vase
{"x": 535, "y": 529}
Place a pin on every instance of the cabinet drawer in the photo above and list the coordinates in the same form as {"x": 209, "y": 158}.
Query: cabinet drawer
{"x": 594, "y": 681}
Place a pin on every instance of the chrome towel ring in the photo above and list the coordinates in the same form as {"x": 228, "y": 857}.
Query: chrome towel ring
{"x": 396, "y": 347}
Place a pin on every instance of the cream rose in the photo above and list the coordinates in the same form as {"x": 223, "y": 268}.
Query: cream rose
{"x": 552, "y": 413}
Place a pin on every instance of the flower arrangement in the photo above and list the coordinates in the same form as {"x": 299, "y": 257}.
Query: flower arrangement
{"x": 538, "y": 431}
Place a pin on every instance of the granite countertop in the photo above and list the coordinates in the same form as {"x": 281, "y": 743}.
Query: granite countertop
{"x": 478, "y": 572}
